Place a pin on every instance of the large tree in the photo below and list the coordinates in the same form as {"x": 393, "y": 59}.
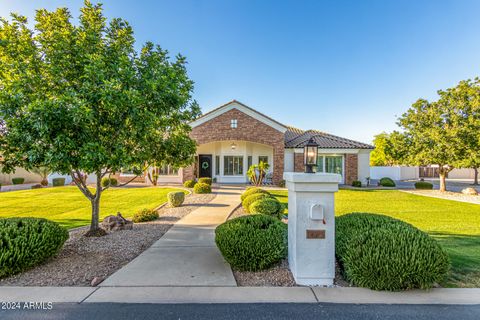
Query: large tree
{"x": 390, "y": 149}
{"x": 78, "y": 98}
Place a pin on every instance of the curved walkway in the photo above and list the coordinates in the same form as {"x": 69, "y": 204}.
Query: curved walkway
{"x": 186, "y": 255}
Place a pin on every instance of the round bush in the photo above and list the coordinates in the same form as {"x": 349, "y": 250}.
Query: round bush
{"x": 252, "y": 243}
{"x": 423, "y": 185}
{"x": 383, "y": 253}
{"x": 175, "y": 199}
{"x": 18, "y": 180}
{"x": 145, "y": 215}
{"x": 205, "y": 180}
{"x": 269, "y": 206}
{"x": 357, "y": 184}
{"x": 202, "y": 188}
{"x": 109, "y": 182}
{"x": 387, "y": 182}
{"x": 27, "y": 242}
{"x": 252, "y": 190}
{"x": 58, "y": 182}
{"x": 189, "y": 183}
{"x": 247, "y": 202}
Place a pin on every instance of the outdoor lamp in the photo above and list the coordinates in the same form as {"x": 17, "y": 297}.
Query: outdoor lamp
{"x": 233, "y": 145}
{"x": 310, "y": 153}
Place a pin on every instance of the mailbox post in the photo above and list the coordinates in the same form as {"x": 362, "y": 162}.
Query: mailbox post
{"x": 311, "y": 226}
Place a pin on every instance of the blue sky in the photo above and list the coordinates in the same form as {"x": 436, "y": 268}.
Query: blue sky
{"x": 345, "y": 67}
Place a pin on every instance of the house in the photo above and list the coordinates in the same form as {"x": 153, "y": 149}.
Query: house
{"x": 234, "y": 136}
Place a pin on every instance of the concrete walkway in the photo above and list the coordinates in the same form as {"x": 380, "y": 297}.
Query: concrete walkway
{"x": 186, "y": 255}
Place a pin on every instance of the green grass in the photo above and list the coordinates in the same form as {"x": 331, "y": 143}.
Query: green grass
{"x": 69, "y": 207}
{"x": 456, "y": 225}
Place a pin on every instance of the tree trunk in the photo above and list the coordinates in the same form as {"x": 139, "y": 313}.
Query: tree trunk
{"x": 94, "y": 225}
{"x": 443, "y": 184}
{"x": 475, "y": 178}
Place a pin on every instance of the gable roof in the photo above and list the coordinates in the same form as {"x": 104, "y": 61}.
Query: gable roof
{"x": 297, "y": 138}
{"x": 234, "y": 104}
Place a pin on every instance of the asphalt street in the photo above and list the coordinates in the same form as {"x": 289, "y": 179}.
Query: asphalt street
{"x": 92, "y": 311}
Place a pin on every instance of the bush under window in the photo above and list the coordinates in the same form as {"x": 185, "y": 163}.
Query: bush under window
{"x": 252, "y": 243}
{"x": 202, "y": 188}
{"x": 383, "y": 253}
{"x": 27, "y": 242}
{"x": 205, "y": 180}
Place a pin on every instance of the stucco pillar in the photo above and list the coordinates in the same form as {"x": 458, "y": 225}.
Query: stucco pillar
{"x": 311, "y": 226}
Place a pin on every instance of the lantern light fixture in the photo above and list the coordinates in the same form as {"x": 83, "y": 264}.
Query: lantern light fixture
{"x": 310, "y": 153}
{"x": 234, "y": 146}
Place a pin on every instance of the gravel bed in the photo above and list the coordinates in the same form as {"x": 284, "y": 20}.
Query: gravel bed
{"x": 84, "y": 258}
{"x": 456, "y": 196}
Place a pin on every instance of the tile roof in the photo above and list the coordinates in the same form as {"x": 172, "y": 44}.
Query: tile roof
{"x": 297, "y": 138}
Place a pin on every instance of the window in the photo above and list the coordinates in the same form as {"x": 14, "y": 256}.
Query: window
{"x": 263, "y": 159}
{"x": 217, "y": 165}
{"x": 233, "y": 123}
{"x": 319, "y": 167}
{"x": 233, "y": 165}
{"x": 249, "y": 162}
{"x": 167, "y": 170}
{"x": 334, "y": 164}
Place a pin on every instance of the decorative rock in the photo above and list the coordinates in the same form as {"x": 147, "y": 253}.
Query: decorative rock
{"x": 470, "y": 191}
{"x": 96, "y": 281}
{"x": 118, "y": 222}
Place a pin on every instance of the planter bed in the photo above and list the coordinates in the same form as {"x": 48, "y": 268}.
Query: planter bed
{"x": 83, "y": 259}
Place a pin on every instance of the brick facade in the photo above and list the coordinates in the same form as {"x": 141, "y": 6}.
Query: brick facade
{"x": 248, "y": 129}
{"x": 298, "y": 162}
{"x": 351, "y": 168}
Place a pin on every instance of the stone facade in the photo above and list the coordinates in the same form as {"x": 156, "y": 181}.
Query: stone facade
{"x": 248, "y": 129}
{"x": 351, "y": 168}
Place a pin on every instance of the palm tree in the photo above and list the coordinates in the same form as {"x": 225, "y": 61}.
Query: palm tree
{"x": 42, "y": 172}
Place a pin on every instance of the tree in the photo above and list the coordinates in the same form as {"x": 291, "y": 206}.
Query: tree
{"x": 389, "y": 149}
{"x": 43, "y": 172}
{"x": 78, "y": 98}
{"x": 465, "y": 101}
{"x": 430, "y": 136}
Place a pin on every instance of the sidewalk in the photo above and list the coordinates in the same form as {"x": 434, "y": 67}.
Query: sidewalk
{"x": 186, "y": 255}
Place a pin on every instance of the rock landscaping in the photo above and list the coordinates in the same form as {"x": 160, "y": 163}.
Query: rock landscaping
{"x": 86, "y": 261}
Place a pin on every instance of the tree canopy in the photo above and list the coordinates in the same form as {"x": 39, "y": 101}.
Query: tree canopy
{"x": 79, "y": 98}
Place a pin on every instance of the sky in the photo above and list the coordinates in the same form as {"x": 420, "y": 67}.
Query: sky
{"x": 349, "y": 68}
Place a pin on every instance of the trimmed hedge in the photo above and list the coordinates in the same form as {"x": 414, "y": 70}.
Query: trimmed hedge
{"x": 387, "y": 182}
{"x": 357, "y": 184}
{"x": 175, "y": 199}
{"x": 252, "y": 190}
{"x": 383, "y": 253}
{"x": 205, "y": 180}
{"x": 109, "y": 182}
{"x": 145, "y": 215}
{"x": 18, "y": 180}
{"x": 58, "y": 182}
{"x": 252, "y": 243}
{"x": 27, "y": 242}
{"x": 247, "y": 202}
{"x": 423, "y": 185}
{"x": 269, "y": 206}
{"x": 202, "y": 188}
{"x": 189, "y": 183}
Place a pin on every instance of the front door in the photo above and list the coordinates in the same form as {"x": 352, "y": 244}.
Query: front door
{"x": 205, "y": 166}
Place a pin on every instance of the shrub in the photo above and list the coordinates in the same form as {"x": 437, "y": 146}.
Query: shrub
{"x": 57, "y": 182}
{"x": 175, "y": 199}
{"x": 423, "y": 185}
{"x": 252, "y": 198}
{"x": 269, "y": 206}
{"x": 37, "y": 186}
{"x": 202, "y": 188}
{"x": 109, "y": 182}
{"x": 18, "y": 180}
{"x": 205, "y": 180}
{"x": 145, "y": 215}
{"x": 252, "y": 190}
{"x": 281, "y": 184}
{"x": 387, "y": 182}
{"x": 252, "y": 243}
{"x": 357, "y": 184}
{"x": 382, "y": 253}
{"x": 27, "y": 242}
{"x": 189, "y": 183}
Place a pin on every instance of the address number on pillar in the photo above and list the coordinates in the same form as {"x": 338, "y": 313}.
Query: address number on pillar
{"x": 315, "y": 234}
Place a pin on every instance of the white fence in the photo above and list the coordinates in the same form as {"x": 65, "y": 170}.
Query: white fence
{"x": 412, "y": 173}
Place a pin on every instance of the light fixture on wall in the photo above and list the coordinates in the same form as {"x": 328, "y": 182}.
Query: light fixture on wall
{"x": 233, "y": 145}
{"x": 310, "y": 153}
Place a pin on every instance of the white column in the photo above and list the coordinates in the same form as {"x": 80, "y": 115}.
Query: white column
{"x": 311, "y": 226}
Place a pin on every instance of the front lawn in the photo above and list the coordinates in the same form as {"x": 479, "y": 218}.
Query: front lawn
{"x": 456, "y": 225}
{"x": 69, "y": 207}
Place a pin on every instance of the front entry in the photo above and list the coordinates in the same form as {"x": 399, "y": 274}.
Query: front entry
{"x": 205, "y": 166}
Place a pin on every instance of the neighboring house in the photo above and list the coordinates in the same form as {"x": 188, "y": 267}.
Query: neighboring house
{"x": 234, "y": 136}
